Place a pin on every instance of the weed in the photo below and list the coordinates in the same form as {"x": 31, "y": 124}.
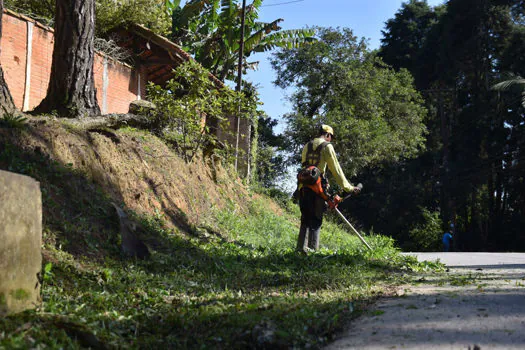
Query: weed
{"x": 377, "y": 312}
{"x": 20, "y": 294}
{"x": 48, "y": 275}
{"x": 462, "y": 280}
{"x": 13, "y": 121}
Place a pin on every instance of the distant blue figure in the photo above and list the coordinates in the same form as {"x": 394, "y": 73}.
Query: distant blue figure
{"x": 447, "y": 239}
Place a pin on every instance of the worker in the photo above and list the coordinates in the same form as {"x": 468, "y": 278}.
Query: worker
{"x": 447, "y": 239}
{"x": 320, "y": 153}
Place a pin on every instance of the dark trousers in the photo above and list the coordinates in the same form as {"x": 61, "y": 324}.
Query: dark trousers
{"x": 312, "y": 210}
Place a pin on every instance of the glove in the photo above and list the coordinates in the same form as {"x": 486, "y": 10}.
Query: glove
{"x": 355, "y": 190}
{"x": 334, "y": 202}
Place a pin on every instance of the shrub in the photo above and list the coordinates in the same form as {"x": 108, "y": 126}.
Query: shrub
{"x": 188, "y": 102}
{"x": 13, "y": 121}
{"x": 426, "y": 235}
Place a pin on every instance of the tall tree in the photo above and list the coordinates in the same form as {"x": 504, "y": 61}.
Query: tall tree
{"x": 406, "y": 39}
{"x": 270, "y": 160}
{"x": 477, "y": 135}
{"x": 376, "y": 111}
{"x": 71, "y": 91}
{"x": 6, "y": 100}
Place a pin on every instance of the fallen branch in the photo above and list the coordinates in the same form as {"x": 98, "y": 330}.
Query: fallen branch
{"x": 111, "y": 121}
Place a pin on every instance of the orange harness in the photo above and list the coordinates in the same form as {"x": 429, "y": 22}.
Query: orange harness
{"x": 315, "y": 185}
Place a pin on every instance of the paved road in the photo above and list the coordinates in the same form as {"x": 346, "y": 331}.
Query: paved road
{"x": 479, "y": 303}
{"x": 476, "y": 260}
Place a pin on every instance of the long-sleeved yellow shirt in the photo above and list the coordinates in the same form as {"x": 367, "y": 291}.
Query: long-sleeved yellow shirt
{"x": 329, "y": 158}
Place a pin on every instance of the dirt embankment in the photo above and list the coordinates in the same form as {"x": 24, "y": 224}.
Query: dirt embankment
{"x": 87, "y": 170}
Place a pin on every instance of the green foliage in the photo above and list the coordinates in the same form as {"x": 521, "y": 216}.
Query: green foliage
{"x": 13, "y": 121}
{"x": 211, "y": 31}
{"x": 188, "y": 102}
{"x": 40, "y": 10}
{"x": 474, "y": 133}
{"x": 270, "y": 160}
{"x": 263, "y": 228}
{"x": 376, "y": 112}
{"x": 109, "y": 13}
{"x": 511, "y": 81}
{"x": 48, "y": 274}
{"x": 150, "y": 13}
{"x": 402, "y": 45}
{"x": 426, "y": 235}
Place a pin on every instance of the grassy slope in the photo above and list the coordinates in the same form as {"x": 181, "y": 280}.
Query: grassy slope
{"x": 223, "y": 273}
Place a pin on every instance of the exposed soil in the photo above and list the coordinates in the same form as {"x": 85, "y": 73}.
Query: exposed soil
{"x": 87, "y": 170}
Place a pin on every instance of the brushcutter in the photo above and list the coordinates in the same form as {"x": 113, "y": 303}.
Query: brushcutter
{"x": 333, "y": 206}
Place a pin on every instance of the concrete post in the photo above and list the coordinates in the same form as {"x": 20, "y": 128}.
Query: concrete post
{"x": 21, "y": 240}
{"x": 105, "y": 84}
{"x": 29, "y": 59}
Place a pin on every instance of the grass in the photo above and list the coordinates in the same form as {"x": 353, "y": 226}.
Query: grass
{"x": 234, "y": 282}
{"x": 244, "y": 289}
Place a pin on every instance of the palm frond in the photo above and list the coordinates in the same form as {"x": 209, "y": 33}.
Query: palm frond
{"x": 182, "y": 17}
{"x": 287, "y": 39}
{"x": 256, "y": 38}
{"x": 512, "y": 80}
{"x": 228, "y": 9}
{"x": 209, "y": 19}
{"x": 252, "y": 11}
{"x": 228, "y": 19}
{"x": 505, "y": 85}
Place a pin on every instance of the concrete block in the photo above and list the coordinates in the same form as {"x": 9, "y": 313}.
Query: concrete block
{"x": 20, "y": 242}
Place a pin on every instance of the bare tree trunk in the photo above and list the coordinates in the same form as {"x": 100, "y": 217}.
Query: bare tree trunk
{"x": 71, "y": 91}
{"x": 6, "y": 100}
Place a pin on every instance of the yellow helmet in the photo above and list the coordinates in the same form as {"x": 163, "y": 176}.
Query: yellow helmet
{"x": 327, "y": 129}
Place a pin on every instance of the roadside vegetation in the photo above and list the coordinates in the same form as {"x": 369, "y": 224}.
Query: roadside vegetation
{"x": 232, "y": 281}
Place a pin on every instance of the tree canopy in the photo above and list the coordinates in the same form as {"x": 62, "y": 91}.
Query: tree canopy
{"x": 457, "y": 53}
{"x": 376, "y": 112}
{"x": 109, "y": 13}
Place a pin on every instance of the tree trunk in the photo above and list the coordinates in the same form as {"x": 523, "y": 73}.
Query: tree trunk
{"x": 71, "y": 91}
{"x": 6, "y": 100}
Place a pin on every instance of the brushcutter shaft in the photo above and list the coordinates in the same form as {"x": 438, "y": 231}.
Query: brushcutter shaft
{"x": 352, "y": 227}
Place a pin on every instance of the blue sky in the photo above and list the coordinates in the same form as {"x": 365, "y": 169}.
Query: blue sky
{"x": 366, "y": 18}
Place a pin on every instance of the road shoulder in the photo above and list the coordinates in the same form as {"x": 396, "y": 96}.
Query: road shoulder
{"x": 466, "y": 307}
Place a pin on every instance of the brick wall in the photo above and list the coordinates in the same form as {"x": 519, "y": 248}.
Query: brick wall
{"x": 116, "y": 82}
{"x": 13, "y": 56}
{"x": 114, "y": 91}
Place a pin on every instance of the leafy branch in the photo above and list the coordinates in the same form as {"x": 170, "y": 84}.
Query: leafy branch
{"x": 187, "y": 105}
